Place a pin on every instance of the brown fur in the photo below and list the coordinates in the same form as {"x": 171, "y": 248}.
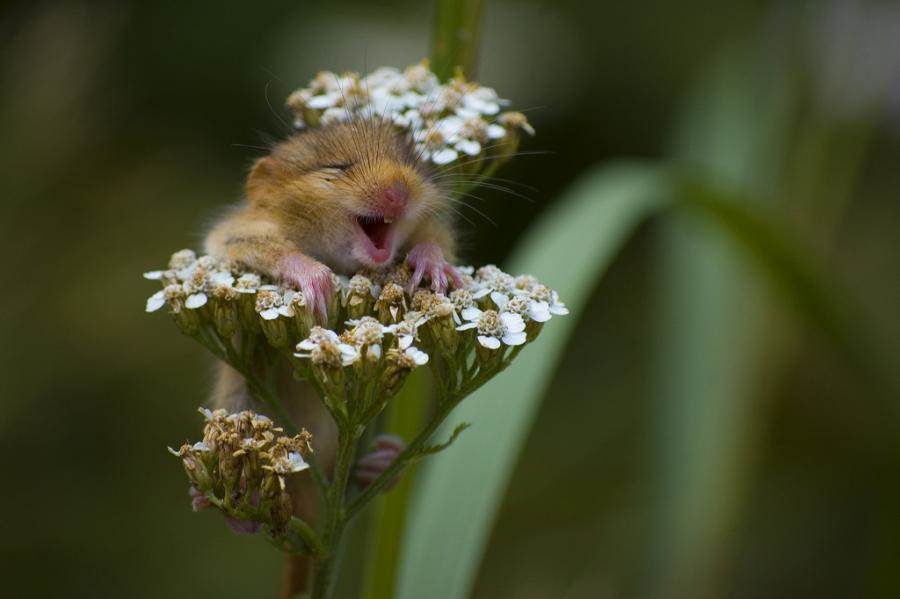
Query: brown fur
{"x": 304, "y": 197}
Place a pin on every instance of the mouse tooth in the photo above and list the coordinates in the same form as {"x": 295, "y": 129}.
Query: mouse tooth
{"x": 388, "y": 220}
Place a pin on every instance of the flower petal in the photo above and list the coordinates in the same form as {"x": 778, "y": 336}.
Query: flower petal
{"x": 156, "y": 301}
{"x": 514, "y": 338}
{"x": 270, "y": 314}
{"x": 539, "y": 311}
{"x": 489, "y": 342}
{"x": 195, "y": 301}
{"x": 512, "y": 322}
{"x": 471, "y": 313}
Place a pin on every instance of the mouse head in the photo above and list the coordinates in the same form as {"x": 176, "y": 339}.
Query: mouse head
{"x": 356, "y": 188}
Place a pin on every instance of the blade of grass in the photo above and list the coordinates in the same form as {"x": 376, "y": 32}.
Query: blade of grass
{"x": 460, "y": 490}
{"x": 405, "y": 415}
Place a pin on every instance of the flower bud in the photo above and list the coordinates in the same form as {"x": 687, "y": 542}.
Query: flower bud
{"x": 281, "y": 511}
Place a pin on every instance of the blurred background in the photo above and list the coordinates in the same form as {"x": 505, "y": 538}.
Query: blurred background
{"x": 708, "y": 434}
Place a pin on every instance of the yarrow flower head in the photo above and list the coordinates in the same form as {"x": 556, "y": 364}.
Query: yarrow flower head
{"x": 385, "y": 330}
{"x": 240, "y": 467}
{"x": 449, "y": 122}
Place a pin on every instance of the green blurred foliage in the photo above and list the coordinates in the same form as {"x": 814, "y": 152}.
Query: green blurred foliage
{"x": 127, "y": 125}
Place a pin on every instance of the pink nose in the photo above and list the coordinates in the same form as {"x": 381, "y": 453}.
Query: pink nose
{"x": 393, "y": 200}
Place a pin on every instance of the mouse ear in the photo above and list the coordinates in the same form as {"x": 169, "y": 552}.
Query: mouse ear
{"x": 262, "y": 181}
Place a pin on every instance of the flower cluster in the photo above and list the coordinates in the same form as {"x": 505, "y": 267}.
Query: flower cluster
{"x": 240, "y": 467}
{"x": 448, "y": 122}
{"x": 377, "y": 331}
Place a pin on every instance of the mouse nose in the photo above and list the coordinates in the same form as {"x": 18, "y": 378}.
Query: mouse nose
{"x": 394, "y": 199}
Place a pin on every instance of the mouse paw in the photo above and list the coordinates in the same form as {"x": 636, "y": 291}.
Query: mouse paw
{"x": 428, "y": 259}
{"x": 370, "y": 467}
{"x": 311, "y": 277}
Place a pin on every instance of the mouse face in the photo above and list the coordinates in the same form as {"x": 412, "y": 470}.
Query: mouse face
{"x": 350, "y": 193}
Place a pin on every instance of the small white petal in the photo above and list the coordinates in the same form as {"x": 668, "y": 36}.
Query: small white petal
{"x": 374, "y": 352}
{"x": 489, "y": 342}
{"x": 418, "y": 356}
{"x": 286, "y": 310}
{"x": 200, "y": 446}
{"x": 481, "y": 293}
{"x": 467, "y": 326}
{"x": 156, "y": 301}
{"x": 501, "y": 299}
{"x": 539, "y": 311}
{"x": 444, "y": 156}
{"x": 559, "y": 309}
{"x": 469, "y": 146}
{"x": 296, "y": 463}
{"x": 154, "y": 275}
{"x": 471, "y": 313}
{"x": 349, "y": 354}
{"x": 512, "y": 322}
{"x": 270, "y": 314}
{"x": 404, "y": 341}
{"x": 195, "y": 301}
{"x": 514, "y": 338}
{"x": 496, "y": 131}
{"x": 323, "y": 101}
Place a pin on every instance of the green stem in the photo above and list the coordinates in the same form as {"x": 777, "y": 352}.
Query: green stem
{"x": 457, "y": 30}
{"x": 309, "y": 536}
{"x": 335, "y": 516}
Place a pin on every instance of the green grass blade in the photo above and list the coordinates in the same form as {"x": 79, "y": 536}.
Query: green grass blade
{"x": 460, "y": 491}
{"x": 405, "y": 416}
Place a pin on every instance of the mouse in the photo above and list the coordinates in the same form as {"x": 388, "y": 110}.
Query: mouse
{"x": 334, "y": 200}
{"x": 342, "y": 198}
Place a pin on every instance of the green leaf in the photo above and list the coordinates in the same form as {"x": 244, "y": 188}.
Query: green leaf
{"x": 405, "y": 416}
{"x": 460, "y": 491}
{"x": 433, "y": 449}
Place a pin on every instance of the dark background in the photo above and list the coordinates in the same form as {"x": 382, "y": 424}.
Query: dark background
{"x": 126, "y": 125}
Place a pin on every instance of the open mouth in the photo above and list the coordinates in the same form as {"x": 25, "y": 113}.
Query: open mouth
{"x": 377, "y": 235}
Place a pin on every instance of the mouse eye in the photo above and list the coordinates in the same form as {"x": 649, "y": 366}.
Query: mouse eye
{"x": 337, "y": 166}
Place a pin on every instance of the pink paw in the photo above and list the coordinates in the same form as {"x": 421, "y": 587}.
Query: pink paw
{"x": 428, "y": 259}
{"x": 311, "y": 277}
{"x": 370, "y": 467}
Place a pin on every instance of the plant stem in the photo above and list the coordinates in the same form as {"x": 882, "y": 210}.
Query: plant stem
{"x": 335, "y": 518}
{"x": 457, "y": 29}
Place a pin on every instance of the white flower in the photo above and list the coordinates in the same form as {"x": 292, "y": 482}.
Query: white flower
{"x": 405, "y": 331}
{"x": 324, "y": 346}
{"x": 270, "y": 304}
{"x": 464, "y": 305}
{"x": 537, "y": 311}
{"x": 542, "y": 293}
{"x": 367, "y": 334}
{"x": 182, "y": 259}
{"x": 493, "y": 327}
{"x": 248, "y": 283}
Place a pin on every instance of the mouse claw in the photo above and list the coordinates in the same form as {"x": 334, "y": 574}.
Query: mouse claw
{"x": 428, "y": 259}
{"x": 372, "y": 465}
{"x": 312, "y": 278}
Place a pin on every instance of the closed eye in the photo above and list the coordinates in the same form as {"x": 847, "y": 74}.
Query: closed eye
{"x": 337, "y": 166}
